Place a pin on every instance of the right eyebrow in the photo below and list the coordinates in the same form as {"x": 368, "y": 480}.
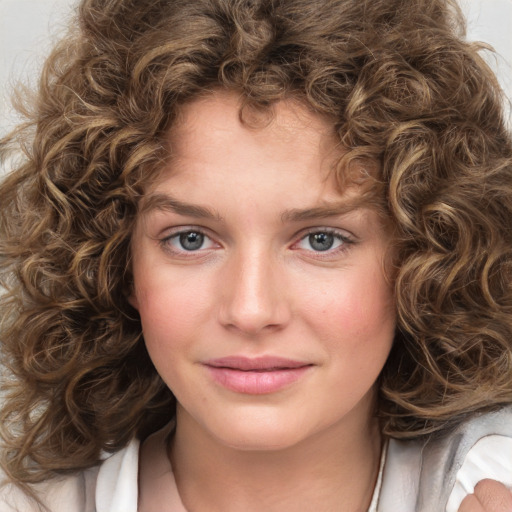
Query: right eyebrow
{"x": 164, "y": 202}
{"x": 324, "y": 211}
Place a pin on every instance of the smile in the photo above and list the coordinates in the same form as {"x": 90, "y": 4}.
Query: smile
{"x": 256, "y": 376}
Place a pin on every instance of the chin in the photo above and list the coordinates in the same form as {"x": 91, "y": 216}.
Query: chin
{"x": 260, "y": 441}
{"x": 259, "y": 433}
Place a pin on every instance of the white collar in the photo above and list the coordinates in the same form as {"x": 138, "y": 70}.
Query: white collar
{"x": 117, "y": 482}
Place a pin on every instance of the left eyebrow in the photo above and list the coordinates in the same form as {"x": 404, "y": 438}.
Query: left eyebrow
{"x": 322, "y": 212}
{"x": 164, "y": 202}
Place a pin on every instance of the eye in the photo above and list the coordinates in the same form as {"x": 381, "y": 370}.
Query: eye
{"x": 190, "y": 240}
{"x": 323, "y": 241}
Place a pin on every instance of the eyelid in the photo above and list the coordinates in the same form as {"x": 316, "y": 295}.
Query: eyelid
{"x": 185, "y": 228}
{"x": 175, "y": 231}
{"x": 343, "y": 233}
{"x": 346, "y": 237}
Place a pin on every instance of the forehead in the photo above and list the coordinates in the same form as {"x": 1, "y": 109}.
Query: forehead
{"x": 215, "y": 140}
{"x": 286, "y": 126}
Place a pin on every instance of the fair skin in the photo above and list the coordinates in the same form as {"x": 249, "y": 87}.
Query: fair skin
{"x": 266, "y": 310}
{"x": 489, "y": 496}
{"x": 257, "y": 288}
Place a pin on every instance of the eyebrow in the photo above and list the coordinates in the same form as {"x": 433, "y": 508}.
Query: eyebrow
{"x": 165, "y": 202}
{"x": 324, "y": 211}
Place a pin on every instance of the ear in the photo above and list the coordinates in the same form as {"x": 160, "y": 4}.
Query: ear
{"x": 132, "y": 298}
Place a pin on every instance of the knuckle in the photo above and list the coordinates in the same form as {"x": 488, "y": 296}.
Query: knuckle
{"x": 494, "y": 496}
{"x": 470, "y": 504}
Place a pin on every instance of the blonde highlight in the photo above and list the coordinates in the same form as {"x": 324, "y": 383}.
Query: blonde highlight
{"x": 408, "y": 98}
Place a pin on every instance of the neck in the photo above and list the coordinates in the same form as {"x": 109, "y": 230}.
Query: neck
{"x": 333, "y": 470}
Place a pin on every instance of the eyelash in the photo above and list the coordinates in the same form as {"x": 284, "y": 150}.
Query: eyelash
{"x": 166, "y": 242}
{"x": 344, "y": 242}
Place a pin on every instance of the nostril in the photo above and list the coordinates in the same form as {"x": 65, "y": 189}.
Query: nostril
{"x": 252, "y": 300}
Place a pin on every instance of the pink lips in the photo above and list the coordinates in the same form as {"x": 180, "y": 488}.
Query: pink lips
{"x": 256, "y": 376}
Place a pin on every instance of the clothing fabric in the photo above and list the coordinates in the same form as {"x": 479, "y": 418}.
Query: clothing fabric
{"x": 436, "y": 474}
{"x": 417, "y": 476}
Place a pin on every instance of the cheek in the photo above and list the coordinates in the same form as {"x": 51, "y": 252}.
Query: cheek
{"x": 162, "y": 295}
{"x": 371, "y": 315}
{"x": 356, "y": 300}
{"x": 164, "y": 314}
{"x": 172, "y": 310}
{"x": 356, "y": 312}
{"x": 165, "y": 327}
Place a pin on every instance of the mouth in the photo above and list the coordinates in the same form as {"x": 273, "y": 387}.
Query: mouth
{"x": 256, "y": 376}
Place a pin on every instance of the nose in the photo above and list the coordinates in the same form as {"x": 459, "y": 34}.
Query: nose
{"x": 254, "y": 298}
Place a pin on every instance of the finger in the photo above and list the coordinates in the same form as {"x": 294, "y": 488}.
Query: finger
{"x": 493, "y": 496}
{"x": 489, "y": 496}
{"x": 471, "y": 504}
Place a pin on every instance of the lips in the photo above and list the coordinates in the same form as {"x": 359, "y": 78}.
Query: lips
{"x": 267, "y": 363}
{"x": 256, "y": 376}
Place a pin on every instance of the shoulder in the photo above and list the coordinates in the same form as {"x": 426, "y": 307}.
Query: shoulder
{"x": 108, "y": 487}
{"x": 478, "y": 448}
{"x": 490, "y": 457}
{"x": 438, "y": 472}
{"x": 117, "y": 482}
{"x": 72, "y": 493}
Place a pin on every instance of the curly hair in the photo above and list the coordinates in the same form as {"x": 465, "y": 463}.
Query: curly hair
{"x": 403, "y": 89}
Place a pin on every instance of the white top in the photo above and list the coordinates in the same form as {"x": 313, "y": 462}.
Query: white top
{"x": 113, "y": 486}
{"x": 477, "y": 462}
{"x": 490, "y": 457}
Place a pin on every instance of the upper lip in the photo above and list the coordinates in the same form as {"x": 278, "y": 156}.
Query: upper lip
{"x": 256, "y": 363}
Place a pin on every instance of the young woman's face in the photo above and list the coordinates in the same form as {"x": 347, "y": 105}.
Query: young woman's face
{"x": 260, "y": 287}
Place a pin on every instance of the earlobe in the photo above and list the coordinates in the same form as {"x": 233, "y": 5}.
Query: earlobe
{"x": 132, "y": 299}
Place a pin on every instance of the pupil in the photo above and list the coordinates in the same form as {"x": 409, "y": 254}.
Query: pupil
{"x": 321, "y": 241}
{"x": 191, "y": 241}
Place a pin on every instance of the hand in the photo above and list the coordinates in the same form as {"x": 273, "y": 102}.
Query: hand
{"x": 489, "y": 496}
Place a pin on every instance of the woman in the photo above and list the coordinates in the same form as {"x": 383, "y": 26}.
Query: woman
{"x": 270, "y": 240}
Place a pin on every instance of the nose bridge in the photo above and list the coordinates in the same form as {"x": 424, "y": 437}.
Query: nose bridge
{"x": 254, "y": 298}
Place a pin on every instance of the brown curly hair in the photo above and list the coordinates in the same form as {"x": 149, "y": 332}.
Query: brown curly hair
{"x": 403, "y": 89}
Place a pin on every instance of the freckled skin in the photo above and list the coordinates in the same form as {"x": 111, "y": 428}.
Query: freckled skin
{"x": 489, "y": 496}
{"x": 258, "y": 285}
{"x": 253, "y": 293}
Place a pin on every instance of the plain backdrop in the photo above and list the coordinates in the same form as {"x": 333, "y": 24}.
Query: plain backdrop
{"x": 28, "y": 28}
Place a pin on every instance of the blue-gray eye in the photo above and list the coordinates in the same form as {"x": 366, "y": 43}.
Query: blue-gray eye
{"x": 321, "y": 241}
{"x": 191, "y": 240}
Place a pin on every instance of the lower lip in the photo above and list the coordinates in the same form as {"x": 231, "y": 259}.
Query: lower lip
{"x": 256, "y": 382}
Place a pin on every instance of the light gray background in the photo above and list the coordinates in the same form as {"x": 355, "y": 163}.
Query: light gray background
{"x": 28, "y": 27}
